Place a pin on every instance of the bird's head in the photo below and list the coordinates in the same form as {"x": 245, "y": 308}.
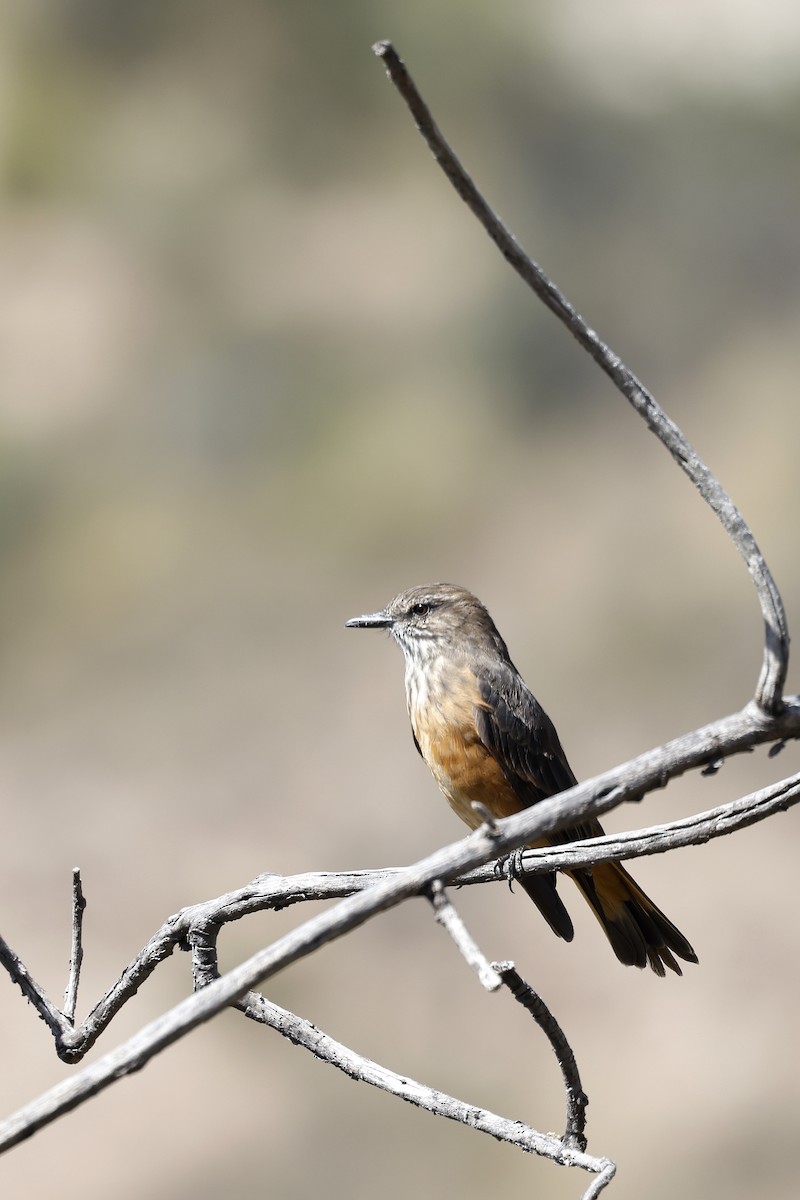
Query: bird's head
{"x": 435, "y": 619}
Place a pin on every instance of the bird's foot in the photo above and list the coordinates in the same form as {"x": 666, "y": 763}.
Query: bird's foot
{"x": 510, "y": 865}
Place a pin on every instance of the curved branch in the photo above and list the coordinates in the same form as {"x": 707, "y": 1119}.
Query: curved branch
{"x": 771, "y": 682}
{"x": 577, "y": 1100}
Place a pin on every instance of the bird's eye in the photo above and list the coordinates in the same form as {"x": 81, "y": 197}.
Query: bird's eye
{"x": 420, "y": 610}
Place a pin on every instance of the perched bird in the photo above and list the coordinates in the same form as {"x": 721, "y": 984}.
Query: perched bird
{"x": 486, "y": 738}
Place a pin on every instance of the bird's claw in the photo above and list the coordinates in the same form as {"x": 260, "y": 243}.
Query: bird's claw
{"x": 511, "y": 865}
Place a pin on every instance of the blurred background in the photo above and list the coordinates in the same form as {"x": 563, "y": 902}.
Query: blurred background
{"x": 260, "y": 371}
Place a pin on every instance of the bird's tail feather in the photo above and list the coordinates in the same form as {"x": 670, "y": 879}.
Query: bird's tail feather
{"x": 542, "y": 891}
{"x": 639, "y": 932}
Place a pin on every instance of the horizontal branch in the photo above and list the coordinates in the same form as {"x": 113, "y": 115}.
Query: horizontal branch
{"x": 630, "y": 781}
{"x": 769, "y": 690}
{"x": 656, "y": 839}
{"x": 385, "y": 888}
{"x": 448, "y": 863}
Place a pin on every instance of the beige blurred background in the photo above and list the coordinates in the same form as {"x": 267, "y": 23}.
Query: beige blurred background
{"x": 260, "y": 371}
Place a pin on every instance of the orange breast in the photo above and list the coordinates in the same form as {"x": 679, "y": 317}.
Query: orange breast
{"x": 443, "y": 718}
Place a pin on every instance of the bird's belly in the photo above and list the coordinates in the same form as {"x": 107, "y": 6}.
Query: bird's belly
{"x": 465, "y": 770}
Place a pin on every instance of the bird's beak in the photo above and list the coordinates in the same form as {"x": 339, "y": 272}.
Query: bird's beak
{"x": 378, "y": 620}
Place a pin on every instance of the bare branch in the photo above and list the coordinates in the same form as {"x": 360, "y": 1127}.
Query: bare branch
{"x": 456, "y": 864}
{"x": 449, "y": 919}
{"x": 577, "y": 1100}
{"x": 346, "y": 915}
{"x": 76, "y": 956}
{"x": 125, "y": 1059}
{"x": 216, "y": 994}
{"x": 656, "y": 839}
{"x": 274, "y": 891}
{"x": 303, "y": 1033}
{"x": 570, "y": 1151}
{"x": 769, "y": 691}
{"x": 32, "y": 992}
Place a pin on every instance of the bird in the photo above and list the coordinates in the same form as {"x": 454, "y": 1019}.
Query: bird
{"x": 492, "y": 748}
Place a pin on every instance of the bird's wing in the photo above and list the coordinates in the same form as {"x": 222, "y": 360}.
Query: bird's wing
{"x": 520, "y": 736}
{"x": 518, "y": 733}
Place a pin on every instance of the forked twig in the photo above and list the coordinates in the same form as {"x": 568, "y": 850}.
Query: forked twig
{"x": 217, "y": 992}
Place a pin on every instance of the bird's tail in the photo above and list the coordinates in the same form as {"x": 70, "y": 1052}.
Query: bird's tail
{"x": 542, "y": 891}
{"x": 638, "y": 931}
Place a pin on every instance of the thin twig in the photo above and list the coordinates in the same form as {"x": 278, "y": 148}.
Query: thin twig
{"x": 769, "y": 691}
{"x": 601, "y": 1182}
{"x": 577, "y": 1100}
{"x": 32, "y": 991}
{"x": 450, "y": 920}
{"x": 76, "y": 956}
